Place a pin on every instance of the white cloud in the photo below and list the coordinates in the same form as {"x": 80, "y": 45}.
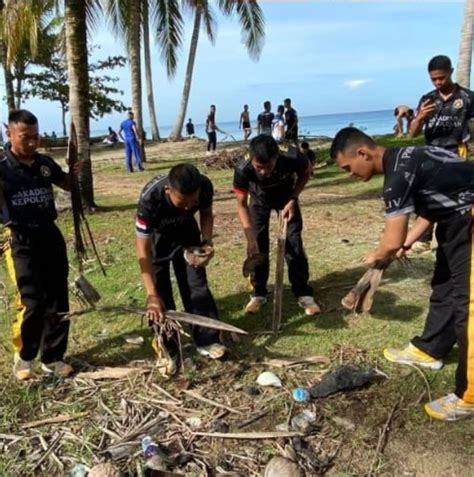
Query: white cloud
{"x": 357, "y": 83}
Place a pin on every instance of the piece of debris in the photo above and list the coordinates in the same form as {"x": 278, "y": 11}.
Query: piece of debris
{"x": 226, "y": 159}
{"x": 110, "y": 373}
{"x": 135, "y": 340}
{"x": 193, "y": 422}
{"x": 79, "y": 470}
{"x": 301, "y": 395}
{"x": 293, "y": 362}
{"x": 343, "y": 378}
{"x": 280, "y": 466}
{"x": 107, "y": 469}
{"x": 267, "y": 378}
{"x": 304, "y": 422}
{"x": 251, "y": 390}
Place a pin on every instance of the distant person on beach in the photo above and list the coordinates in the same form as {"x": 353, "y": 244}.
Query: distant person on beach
{"x": 190, "y": 128}
{"x": 308, "y": 153}
{"x": 265, "y": 119}
{"x": 273, "y": 181}
{"x": 131, "y": 138}
{"x": 166, "y": 227}
{"x": 211, "y": 128}
{"x": 402, "y": 113}
{"x": 111, "y": 138}
{"x": 278, "y": 125}
{"x": 244, "y": 122}
{"x": 53, "y": 136}
{"x": 443, "y": 115}
{"x": 291, "y": 119}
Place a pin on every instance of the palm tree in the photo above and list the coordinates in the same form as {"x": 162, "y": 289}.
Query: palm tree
{"x": 253, "y": 31}
{"x": 463, "y": 73}
{"x": 20, "y": 24}
{"x": 155, "y": 133}
{"x": 125, "y": 17}
{"x": 77, "y": 14}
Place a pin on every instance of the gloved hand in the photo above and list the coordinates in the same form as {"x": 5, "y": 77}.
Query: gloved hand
{"x": 199, "y": 256}
{"x": 251, "y": 262}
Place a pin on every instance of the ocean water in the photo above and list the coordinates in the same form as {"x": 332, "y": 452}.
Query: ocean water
{"x": 372, "y": 122}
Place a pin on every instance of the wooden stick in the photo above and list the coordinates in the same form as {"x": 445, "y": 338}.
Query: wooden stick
{"x": 279, "y": 271}
{"x": 54, "y": 420}
{"x": 254, "y": 418}
{"x": 198, "y": 397}
{"x": 51, "y": 448}
{"x": 250, "y": 435}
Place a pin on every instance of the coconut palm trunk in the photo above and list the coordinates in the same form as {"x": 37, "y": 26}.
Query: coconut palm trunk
{"x": 134, "y": 52}
{"x": 176, "y": 133}
{"x": 8, "y": 81}
{"x": 77, "y": 61}
{"x": 155, "y": 133}
{"x": 463, "y": 73}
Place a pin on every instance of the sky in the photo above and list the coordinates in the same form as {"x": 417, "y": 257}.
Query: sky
{"x": 328, "y": 56}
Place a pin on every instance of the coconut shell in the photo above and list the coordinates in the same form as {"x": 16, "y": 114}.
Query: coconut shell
{"x": 279, "y": 467}
{"x": 107, "y": 469}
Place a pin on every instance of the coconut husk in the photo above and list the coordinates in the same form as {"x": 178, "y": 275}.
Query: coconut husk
{"x": 280, "y": 466}
{"x": 107, "y": 469}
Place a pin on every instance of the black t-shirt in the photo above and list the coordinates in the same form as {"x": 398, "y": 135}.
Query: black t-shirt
{"x": 430, "y": 181}
{"x": 157, "y": 215}
{"x": 265, "y": 119}
{"x": 448, "y": 126}
{"x": 275, "y": 190}
{"x": 291, "y": 118}
{"x": 28, "y": 191}
{"x": 190, "y": 128}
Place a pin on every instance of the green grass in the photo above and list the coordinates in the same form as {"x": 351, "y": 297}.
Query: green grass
{"x": 335, "y": 207}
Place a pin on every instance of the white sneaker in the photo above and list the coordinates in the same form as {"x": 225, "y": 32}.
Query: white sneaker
{"x": 58, "y": 368}
{"x": 310, "y": 306}
{"x": 255, "y": 303}
{"x": 23, "y": 370}
{"x": 213, "y": 351}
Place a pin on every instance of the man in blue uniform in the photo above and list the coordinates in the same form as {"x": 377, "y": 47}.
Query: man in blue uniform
{"x": 131, "y": 138}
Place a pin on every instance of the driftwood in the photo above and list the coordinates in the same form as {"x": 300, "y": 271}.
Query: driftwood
{"x": 279, "y": 271}
{"x": 54, "y": 420}
{"x": 361, "y": 296}
{"x": 250, "y": 435}
{"x": 111, "y": 373}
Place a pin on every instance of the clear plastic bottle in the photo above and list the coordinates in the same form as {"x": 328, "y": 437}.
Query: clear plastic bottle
{"x": 150, "y": 447}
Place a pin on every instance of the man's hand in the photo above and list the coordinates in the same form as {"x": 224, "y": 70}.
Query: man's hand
{"x": 371, "y": 258}
{"x": 252, "y": 248}
{"x": 199, "y": 256}
{"x": 288, "y": 211}
{"x": 77, "y": 168}
{"x": 155, "y": 308}
{"x": 427, "y": 108}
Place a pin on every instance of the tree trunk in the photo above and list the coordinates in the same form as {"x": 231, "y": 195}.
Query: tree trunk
{"x": 134, "y": 52}
{"x": 463, "y": 73}
{"x": 176, "y": 133}
{"x": 155, "y": 133}
{"x": 77, "y": 66}
{"x": 63, "y": 118}
{"x": 8, "y": 77}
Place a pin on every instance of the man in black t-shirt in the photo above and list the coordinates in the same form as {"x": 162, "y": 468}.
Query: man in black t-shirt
{"x": 438, "y": 186}
{"x": 35, "y": 252}
{"x": 443, "y": 115}
{"x": 165, "y": 227}
{"x": 265, "y": 119}
{"x": 274, "y": 182}
{"x": 291, "y": 120}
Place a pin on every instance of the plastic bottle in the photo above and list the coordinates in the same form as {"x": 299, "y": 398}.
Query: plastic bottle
{"x": 301, "y": 395}
{"x": 150, "y": 447}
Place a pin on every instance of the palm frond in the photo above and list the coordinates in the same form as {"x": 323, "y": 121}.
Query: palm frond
{"x": 252, "y": 24}
{"x": 168, "y": 24}
{"x": 209, "y": 21}
{"x": 227, "y": 6}
{"x": 93, "y": 14}
{"x": 117, "y": 13}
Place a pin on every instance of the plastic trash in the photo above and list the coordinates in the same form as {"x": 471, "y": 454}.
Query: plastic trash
{"x": 343, "y": 378}
{"x": 153, "y": 454}
{"x": 149, "y": 447}
{"x": 304, "y": 422}
{"x": 280, "y": 466}
{"x": 267, "y": 378}
{"x": 194, "y": 422}
{"x": 301, "y": 395}
{"x": 135, "y": 340}
{"x": 79, "y": 470}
